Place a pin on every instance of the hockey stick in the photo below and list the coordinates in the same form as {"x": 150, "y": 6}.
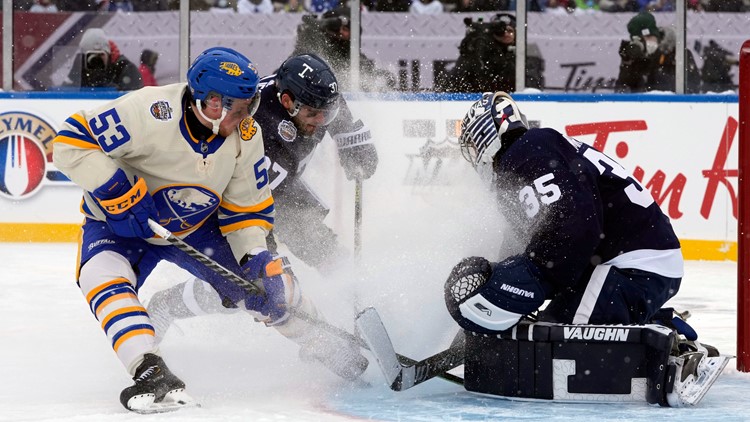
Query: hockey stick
{"x": 254, "y": 288}
{"x": 401, "y": 375}
{"x": 358, "y": 217}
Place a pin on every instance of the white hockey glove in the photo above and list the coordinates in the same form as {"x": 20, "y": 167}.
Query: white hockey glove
{"x": 357, "y": 153}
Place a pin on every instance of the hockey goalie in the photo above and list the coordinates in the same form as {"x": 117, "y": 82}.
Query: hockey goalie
{"x": 599, "y": 253}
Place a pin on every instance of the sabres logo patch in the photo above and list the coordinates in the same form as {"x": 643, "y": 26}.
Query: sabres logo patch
{"x": 231, "y": 68}
{"x": 161, "y": 110}
{"x": 247, "y": 129}
{"x": 287, "y": 130}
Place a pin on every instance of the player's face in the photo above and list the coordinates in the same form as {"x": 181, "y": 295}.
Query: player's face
{"x": 237, "y": 111}
{"x": 309, "y": 119}
{"x": 509, "y": 36}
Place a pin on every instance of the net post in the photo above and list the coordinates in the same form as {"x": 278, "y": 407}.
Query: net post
{"x": 743, "y": 220}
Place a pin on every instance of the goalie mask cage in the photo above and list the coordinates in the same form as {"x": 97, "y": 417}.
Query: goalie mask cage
{"x": 743, "y": 222}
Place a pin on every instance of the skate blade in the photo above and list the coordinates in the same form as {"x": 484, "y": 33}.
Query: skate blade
{"x": 693, "y": 392}
{"x": 173, "y": 401}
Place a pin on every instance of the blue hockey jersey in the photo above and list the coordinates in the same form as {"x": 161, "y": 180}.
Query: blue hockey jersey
{"x": 579, "y": 208}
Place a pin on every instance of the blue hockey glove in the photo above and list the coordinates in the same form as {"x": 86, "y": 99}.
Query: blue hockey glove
{"x": 275, "y": 281}
{"x": 127, "y": 207}
{"x": 357, "y": 153}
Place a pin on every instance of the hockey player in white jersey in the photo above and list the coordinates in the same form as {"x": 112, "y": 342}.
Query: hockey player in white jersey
{"x": 300, "y": 104}
{"x": 190, "y": 157}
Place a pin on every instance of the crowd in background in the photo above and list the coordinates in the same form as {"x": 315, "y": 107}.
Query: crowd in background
{"x": 413, "y": 6}
{"x": 486, "y": 53}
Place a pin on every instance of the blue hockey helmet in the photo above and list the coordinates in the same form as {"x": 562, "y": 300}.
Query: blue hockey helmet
{"x": 311, "y": 83}
{"x": 227, "y": 74}
{"x": 486, "y": 123}
{"x": 222, "y": 71}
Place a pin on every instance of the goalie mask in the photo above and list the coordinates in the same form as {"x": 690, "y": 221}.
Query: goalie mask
{"x": 485, "y": 124}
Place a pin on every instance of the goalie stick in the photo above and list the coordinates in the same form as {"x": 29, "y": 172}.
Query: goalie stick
{"x": 254, "y": 288}
{"x": 402, "y": 375}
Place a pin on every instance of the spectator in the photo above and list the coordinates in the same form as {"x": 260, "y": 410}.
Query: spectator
{"x": 587, "y": 4}
{"x": 487, "y": 59}
{"x": 223, "y": 6}
{"x": 43, "y": 6}
{"x": 723, "y": 5}
{"x": 619, "y": 6}
{"x": 659, "y": 6}
{"x": 150, "y": 5}
{"x": 717, "y": 65}
{"x": 328, "y": 37}
{"x": 482, "y": 5}
{"x": 695, "y": 5}
{"x": 558, "y": 6}
{"x": 426, "y": 7}
{"x": 99, "y": 64}
{"x": 255, "y": 6}
{"x": 292, "y": 6}
{"x": 321, "y": 6}
{"x": 648, "y": 59}
{"x": 120, "y": 6}
{"x": 79, "y": 5}
{"x": 148, "y": 67}
{"x": 390, "y": 5}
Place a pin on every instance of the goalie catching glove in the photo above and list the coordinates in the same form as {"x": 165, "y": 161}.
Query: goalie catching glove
{"x": 127, "y": 206}
{"x": 281, "y": 288}
{"x": 484, "y": 298}
{"x": 357, "y": 153}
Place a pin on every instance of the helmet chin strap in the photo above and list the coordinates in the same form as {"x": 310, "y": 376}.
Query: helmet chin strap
{"x": 296, "y": 106}
{"x": 214, "y": 122}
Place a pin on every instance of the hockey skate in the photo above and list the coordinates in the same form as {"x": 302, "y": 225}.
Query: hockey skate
{"x": 695, "y": 371}
{"x": 156, "y": 389}
{"x": 338, "y": 356}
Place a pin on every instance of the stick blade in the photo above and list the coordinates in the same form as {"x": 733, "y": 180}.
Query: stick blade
{"x": 375, "y": 335}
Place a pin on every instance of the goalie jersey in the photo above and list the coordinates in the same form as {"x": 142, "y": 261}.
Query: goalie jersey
{"x": 191, "y": 174}
{"x": 580, "y": 208}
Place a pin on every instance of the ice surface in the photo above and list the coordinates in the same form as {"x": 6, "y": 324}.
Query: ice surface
{"x": 55, "y": 364}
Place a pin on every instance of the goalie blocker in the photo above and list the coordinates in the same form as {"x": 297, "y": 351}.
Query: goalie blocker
{"x": 575, "y": 363}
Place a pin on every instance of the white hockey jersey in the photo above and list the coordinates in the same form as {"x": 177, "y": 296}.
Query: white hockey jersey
{"x": 145, "y": 133}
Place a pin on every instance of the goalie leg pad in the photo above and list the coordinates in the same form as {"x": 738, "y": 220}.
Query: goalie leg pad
{"x": 575, "y": 363}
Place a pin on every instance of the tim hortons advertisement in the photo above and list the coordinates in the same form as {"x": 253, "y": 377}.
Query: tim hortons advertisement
{"x": 684, "y": 153}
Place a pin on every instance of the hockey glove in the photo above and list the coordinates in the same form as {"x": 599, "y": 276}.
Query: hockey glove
{"x": 357, "y": 153}
{"x": 279, "y": 285}
{"x": 487, "y": 300}
{"x": 127, "y": 207}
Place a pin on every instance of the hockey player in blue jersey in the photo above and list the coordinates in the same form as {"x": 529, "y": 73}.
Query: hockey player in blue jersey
{"x": 299, "y": 104}
{"x": 598, "y": 247}
{"x": 190, "y": 157}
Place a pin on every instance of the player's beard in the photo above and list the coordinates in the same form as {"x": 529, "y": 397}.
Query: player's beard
{"x": 304, "y": 128}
